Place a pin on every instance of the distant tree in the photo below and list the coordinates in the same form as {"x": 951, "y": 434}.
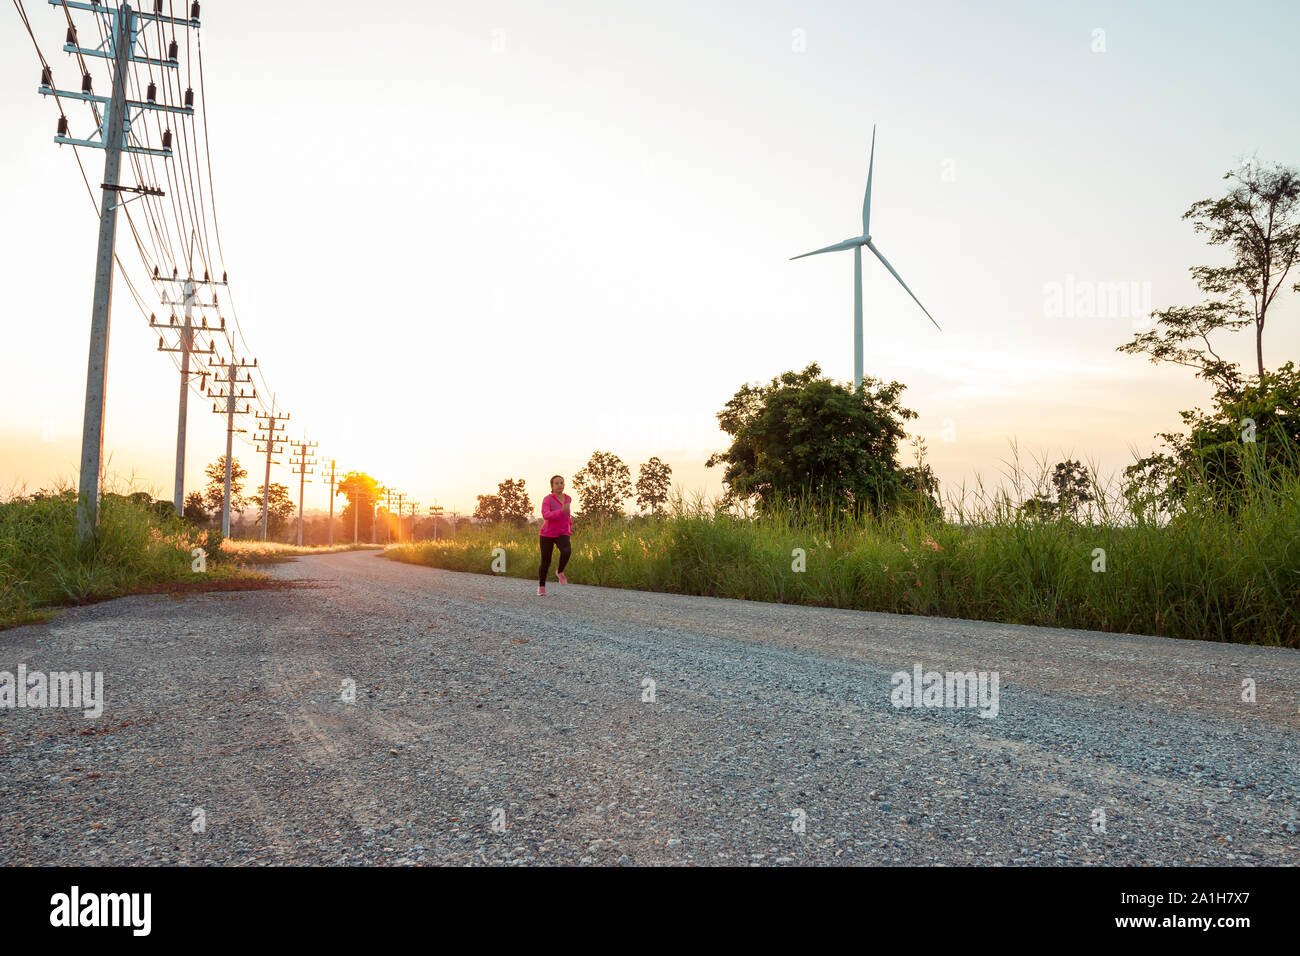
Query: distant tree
{"x": 515, "y": 506}
{"x": 804, "y": 434}
{"x": 603, "y": 484}
{"x": 1072, "y": 484}
{"x": 281, "y": 512}
{"x": 215, "y": 492}
{"x": 490, "y": 508}
{"x": 361, "y": 492}
{"x": 652, "y": 485}
{"x": 195, "y": 511}
{"x": 1259, "y": 222}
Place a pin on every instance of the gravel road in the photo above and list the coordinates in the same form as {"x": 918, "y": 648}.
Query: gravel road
{"x": 493, "y": 726}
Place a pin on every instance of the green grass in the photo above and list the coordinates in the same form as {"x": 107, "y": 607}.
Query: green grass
{"x": 1210, "y": 572}
{"x": 139, "y": 547}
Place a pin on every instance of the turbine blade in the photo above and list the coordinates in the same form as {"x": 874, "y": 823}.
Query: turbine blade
{"x": 885, "y": 263}
{"x": 866, "y": 203}
{"x": 846, "y": 244}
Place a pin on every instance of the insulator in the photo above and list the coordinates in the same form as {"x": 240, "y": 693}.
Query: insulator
{"x": 155, "y": 272}
{"x": 63, "y": 126}
{"x": 152, "y": 93}
{"x": 47, "y": 78}
{"x": 173, "y": 318}
{"x": 85, "y": 83}
{"x": 160, "y": 343}
{"x": 205, "y": 275}
{"x": 174, "y": 272}
{"x": 167, "y": 139}
{"x": 173, "y": 51}
{"x": 72, "y": 36}
{"x": 223, "y": 325}
{"x": 157, "y": 6}
{"x": 194, "y": 11}
{"x": 224, "y": 277}
{"x": 189, "y": 98}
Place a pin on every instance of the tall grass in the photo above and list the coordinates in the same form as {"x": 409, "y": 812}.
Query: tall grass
{"x": 1221, "y": 571}
{"x": 138, "y": 546}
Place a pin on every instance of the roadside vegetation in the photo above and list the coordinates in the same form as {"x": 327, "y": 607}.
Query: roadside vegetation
{"x": 1209, "y": 572}
{"x": 142, "y": 546}
{"x": 1200, "y": 539}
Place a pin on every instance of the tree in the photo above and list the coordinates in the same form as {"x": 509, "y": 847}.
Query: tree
{"x": 515, "y": 506}
{"x": 195, "y": 511}
{"x": 215, "y": 492}
{"x": 361, "y": 491}
{"x": 804, "y": 434}
{"x": 1259, "y": 221}
{"x": 281, "y": 510}
{"x": 1256, "y": 425}
{"x": 920, "y": 483}
{"x": 603, "y": 484}
{"x": 652, "y": 485}
{"x": 490, "y": 508}
{"x": 1073, "y": 485}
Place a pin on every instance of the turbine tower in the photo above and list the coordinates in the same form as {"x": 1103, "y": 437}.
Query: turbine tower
{"x": 856, "y": 245}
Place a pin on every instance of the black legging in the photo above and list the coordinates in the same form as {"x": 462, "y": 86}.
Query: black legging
{"x": 547, "y": 545}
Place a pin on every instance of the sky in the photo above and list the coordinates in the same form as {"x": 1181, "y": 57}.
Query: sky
{"x": 471, "y": 242}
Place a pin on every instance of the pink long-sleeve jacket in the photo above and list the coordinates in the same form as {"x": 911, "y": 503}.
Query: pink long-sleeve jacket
{"x": 555, "y": 517}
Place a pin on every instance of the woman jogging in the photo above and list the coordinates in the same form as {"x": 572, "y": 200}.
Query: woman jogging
{"x": 557, "y": 525}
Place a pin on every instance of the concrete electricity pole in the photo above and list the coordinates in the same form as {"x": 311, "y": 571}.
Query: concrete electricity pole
{"x": 113, "y": 125}
{"x": 435, "y": 511}
{"x": 188, "y": 300}
{"x": 400, "y": 498}
{"x": 413, "y": 505}
{"x": 234, "y": 368}
{"x": 301, "y": 465}
{"x": 332, "y": 483}
{"x": 388, "y": 507}
{"x": 273, "y": 426}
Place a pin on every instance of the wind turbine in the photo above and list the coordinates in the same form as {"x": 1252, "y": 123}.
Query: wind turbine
{"x": 856, "y": 245}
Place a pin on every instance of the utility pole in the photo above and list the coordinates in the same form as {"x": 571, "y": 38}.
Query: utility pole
{"x": 332, "y": 483}
{"x": 115, "y": 139}
{"x": 234, "y": 368}
{"x": 435, "y": 511}
{"x": 273, "y": 426}
{"x": 412, "y": 505}
{"x": 400, "y": 498}
{"x": 301, "y": 464}
{"x": 188, "y": 300}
